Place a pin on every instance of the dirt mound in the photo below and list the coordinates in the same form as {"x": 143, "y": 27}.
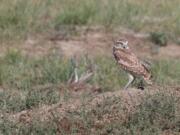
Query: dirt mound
{"x": 129, "y": 100}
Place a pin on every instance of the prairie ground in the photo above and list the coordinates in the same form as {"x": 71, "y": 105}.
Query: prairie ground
{"x": 40, "y": 38}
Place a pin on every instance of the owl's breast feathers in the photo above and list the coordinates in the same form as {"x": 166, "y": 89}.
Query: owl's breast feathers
{"x": 129, "y": 62}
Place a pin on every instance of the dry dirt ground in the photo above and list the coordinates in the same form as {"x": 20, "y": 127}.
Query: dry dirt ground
{"x": 94, "y": 42}
{"x": 130, "y": 99}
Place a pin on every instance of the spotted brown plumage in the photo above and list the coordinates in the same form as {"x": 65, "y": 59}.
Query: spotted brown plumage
{"x": 129, "y": 62}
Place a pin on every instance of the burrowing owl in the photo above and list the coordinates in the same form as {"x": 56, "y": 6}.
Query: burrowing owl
{"x": 129, "y": 62}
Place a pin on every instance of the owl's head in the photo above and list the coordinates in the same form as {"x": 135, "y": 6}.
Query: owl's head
{"x": 121, "y": 44}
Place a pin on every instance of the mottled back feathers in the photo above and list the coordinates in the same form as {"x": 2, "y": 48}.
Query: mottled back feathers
{"x": 130, "y": 63}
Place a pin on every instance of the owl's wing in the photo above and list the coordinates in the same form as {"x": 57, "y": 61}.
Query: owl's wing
{"x": 130, "y": 62}
{"x": 124, "y": 57}
{"x": 146, "y": 64}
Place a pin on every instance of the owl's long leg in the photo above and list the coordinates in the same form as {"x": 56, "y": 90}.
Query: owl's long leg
{"x": 76, "y": 75}
{"x": 131, "y": 79}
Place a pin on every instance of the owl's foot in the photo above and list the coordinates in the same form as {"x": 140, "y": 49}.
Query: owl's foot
{"x": 141, "y": 85}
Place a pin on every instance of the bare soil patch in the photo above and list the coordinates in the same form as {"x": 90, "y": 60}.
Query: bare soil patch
{"x": 94, "y": 42}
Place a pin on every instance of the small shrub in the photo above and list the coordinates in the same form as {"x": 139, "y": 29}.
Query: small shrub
{"x": 159, "y": 38}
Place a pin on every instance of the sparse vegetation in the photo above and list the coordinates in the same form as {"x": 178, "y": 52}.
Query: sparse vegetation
{"x": 20, "y": 72}
{"x": 20, "y": 17}
{"x": 156, "y": 114}
{"x": 24, "y": 93}
{"x": 35, "y": 96}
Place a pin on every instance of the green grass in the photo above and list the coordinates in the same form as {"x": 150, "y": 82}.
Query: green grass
{"x": 16, "y": 101}
{"x": 22, "y": 78}
{"x": 20, "y": 17}
{"x": 166, "y": 72}
{"x": 71, "y": 15}
{"x": 23, "y": 73}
